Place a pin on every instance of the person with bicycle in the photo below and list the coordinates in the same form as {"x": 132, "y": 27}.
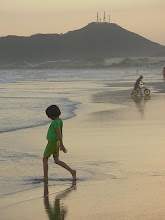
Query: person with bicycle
{"x": 137, "y": 83}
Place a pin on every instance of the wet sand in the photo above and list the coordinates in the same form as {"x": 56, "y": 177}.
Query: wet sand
{"x": 116, "y": 144}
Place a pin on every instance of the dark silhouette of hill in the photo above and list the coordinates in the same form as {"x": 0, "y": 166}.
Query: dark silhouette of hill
{"x": 96, "y": 40}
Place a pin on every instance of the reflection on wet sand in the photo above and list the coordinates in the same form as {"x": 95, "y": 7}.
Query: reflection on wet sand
{"x": 140, "y": 102}
{"x": 57, "y": 211}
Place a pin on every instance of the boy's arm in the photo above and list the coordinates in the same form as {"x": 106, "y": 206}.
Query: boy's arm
{"x": 60, "y": 139}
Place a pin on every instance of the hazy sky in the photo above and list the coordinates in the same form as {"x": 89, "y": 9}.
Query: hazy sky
{"x": 27, "y": 17}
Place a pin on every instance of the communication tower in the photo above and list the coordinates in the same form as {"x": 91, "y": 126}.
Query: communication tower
{"x": 97, "y": 17}
{"x": 104, "y": 17}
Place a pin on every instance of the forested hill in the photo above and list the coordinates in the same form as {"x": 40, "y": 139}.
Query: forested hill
{"x": 94, "y": 40}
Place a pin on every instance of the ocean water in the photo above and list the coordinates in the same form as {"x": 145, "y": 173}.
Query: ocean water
{"x": 25, "y": 94}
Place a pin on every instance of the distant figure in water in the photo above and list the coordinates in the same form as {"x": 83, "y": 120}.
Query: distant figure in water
{"x": 137, "y": 83}
{"x": 163, "y": 71}
{"x": 55, "y": 142}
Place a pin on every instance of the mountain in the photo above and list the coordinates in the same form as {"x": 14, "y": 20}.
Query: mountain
{"x": 94, "y": 41}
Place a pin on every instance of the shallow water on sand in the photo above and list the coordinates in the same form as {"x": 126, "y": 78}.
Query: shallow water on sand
{"x": 113, "y": 140}
{"x": 119, "y": 162}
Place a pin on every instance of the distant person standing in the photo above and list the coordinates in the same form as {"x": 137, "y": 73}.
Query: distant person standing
{"x": 163, "y": 71}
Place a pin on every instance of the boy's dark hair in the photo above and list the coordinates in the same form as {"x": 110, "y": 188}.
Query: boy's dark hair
{"x": 53, "y": 111}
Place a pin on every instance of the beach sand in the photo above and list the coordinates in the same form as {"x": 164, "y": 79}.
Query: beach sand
{"x": 116, "y": 144}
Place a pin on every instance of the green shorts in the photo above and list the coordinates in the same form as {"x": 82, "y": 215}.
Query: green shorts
{"x": 52, "y": 148}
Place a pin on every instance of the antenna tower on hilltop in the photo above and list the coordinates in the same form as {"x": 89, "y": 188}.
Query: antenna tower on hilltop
{"x": 99, "y": 20}
{"x": 109, "y": 19}
{"x": 104, "y": 17}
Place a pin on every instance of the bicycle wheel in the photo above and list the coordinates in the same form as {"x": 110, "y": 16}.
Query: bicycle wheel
{"x": 135, "y": 92}
{"x": 147, "y": 92}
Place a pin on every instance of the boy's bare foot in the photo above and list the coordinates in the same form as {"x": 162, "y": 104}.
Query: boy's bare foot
{"x": 74, "y": 175}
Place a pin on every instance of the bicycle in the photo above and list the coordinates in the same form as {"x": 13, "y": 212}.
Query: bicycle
{"x": 141, "y": 90}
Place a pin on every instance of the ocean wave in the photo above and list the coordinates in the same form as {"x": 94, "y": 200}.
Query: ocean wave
{"x": 25, "y": 114}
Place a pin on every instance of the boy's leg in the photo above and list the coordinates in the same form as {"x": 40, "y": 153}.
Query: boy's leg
{"x": 45, "y": 168}
{"x": 64, "y": 165}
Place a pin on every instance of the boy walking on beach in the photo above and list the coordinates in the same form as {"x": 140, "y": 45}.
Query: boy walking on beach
{"x": 55, "y": 143}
